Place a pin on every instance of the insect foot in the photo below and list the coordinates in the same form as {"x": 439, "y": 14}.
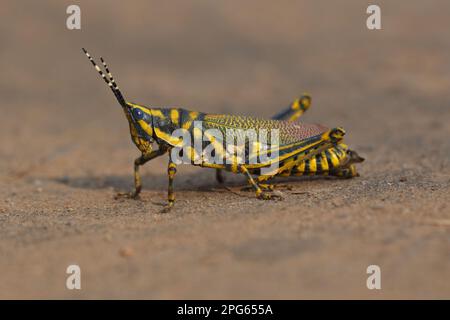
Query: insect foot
{"x": 167, "y": 208}
{"x": 267, "y": 187}
{"x": 275, "y": 195}
{"x": 127, "y": 195}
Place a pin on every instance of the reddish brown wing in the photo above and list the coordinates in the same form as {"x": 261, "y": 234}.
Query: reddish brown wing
{"x": 289, "y": 132}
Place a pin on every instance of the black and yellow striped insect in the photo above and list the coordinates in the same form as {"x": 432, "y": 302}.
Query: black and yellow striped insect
{"x": 296, "y": 149}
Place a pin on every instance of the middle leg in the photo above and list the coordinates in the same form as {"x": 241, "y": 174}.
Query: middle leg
{"x": 171, "y": 171}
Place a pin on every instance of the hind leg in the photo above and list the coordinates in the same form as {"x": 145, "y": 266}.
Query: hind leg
{"x": 260, "y": 194}
{"x": 295, "y": 109}
{"x": 263, "y": 186}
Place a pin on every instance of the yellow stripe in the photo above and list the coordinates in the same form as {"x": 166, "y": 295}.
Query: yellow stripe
{"x": 172, "y": 165}
{"x": 192, "y": 116}
{"x": 157, "y": 113}
{"x": 287, "y": 167}
{"x": 325, "y": 136}
{"x": 174, "y": 116}
{"x": 334, "y": 159}
{"x": 312, "y": 165}
{"x": 296, "y": 107}
{"x": 146, "y": 127}
{"x": 168, "y": 138}
{"x": 218, "y": 147}
{"x": 301, "y": 167}
{"x": 297, "y": 151}
{"x": 324, "y": 162}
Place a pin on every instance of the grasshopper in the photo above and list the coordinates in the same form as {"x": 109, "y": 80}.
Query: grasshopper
{"x": 299, "y": 148}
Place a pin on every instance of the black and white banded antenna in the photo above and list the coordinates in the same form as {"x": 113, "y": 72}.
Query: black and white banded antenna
{"x": 108, "y": 79}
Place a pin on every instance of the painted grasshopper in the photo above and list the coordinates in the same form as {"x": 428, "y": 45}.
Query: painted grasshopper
{"x": 299, "y": 149}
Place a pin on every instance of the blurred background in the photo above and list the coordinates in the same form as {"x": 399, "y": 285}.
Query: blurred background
{"x": 65, "y": 149}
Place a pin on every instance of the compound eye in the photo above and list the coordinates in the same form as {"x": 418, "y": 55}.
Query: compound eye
{"x": 138, "y": 114}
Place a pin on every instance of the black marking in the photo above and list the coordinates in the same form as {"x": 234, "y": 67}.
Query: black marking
{"x": 330, "y": 163}
{"x": 319, "y": 168}
{"x": 339, "y": 152}
{"x": 284, "y": 114}
{"x": 307, "y": 168}
{"x": 109, "y": 73}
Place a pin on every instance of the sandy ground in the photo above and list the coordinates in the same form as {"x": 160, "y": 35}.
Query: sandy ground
{"x": 65, "y": 150}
